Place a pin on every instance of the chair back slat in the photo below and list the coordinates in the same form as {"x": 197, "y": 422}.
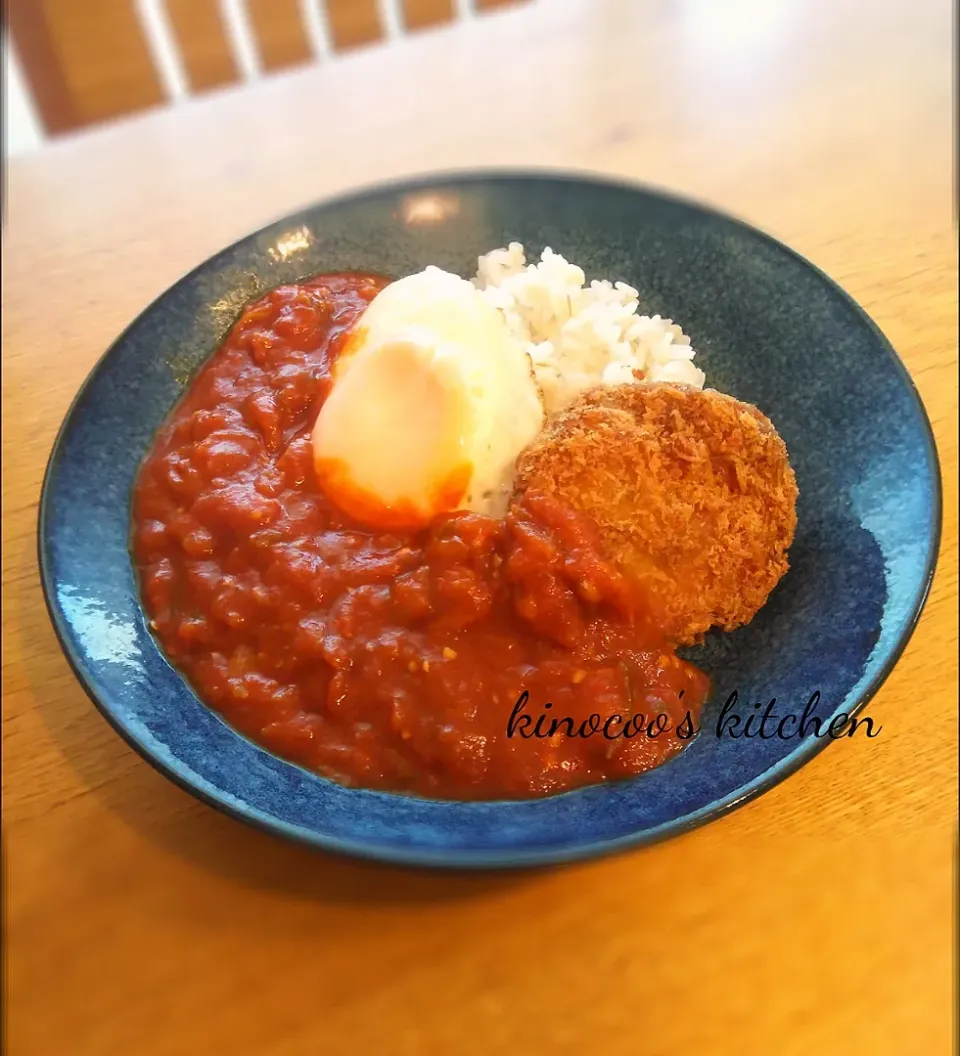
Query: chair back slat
{"x": 353, "y": 23}
{"x": 204, "y": 45}
{"x": 93, "y": 54}
{"x": 422, "y": 14}
{"x": 106, "y": 58}
{"x": 281, "y": 34}
{"x": 86, "y": 61}
{"x": 39, "y": 65}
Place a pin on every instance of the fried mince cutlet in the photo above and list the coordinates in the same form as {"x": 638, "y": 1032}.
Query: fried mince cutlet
{"x": 691, "y": 490}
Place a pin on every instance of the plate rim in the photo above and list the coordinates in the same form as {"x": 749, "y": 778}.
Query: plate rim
{"x": 458, "y": 858}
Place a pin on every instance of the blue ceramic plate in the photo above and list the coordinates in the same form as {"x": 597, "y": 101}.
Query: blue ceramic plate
{"x": 769, "y": 329}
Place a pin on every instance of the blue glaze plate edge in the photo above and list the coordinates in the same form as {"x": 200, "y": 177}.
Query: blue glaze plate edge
{"x": 198, "y": 786}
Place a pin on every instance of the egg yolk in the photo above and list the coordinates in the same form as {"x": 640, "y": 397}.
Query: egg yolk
{"x": 390, "y": 440}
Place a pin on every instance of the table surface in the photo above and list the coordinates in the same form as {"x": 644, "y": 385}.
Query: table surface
{"x": 817, "y": 918}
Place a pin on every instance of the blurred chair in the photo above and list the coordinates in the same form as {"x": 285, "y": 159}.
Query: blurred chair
{"x": 87, "y": 61}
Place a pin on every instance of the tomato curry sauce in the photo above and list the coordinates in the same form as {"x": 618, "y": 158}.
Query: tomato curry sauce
{"x": 418, "y": 661}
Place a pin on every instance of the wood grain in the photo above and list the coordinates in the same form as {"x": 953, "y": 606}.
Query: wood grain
{"x": 815, "y": 919}
{"x": 281, "y": 36}
{"x": 203, "y": 42}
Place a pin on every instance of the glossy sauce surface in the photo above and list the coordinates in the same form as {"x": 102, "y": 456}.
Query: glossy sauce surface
{"x": 385, "y": 660}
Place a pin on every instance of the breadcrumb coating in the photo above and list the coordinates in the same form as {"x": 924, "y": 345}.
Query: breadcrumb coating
{"x": 692, "y": 492}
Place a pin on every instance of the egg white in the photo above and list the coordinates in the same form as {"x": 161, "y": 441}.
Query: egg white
{"x": 432, "y": 401}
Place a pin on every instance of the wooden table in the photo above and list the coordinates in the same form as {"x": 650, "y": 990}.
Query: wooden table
{"x": 816, "y": 919}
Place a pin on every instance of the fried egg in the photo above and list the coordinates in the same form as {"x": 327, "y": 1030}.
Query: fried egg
{"x": 431, "y": 403}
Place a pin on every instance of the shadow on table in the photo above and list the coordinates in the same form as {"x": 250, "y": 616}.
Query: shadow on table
{"x": 129, "y": 787}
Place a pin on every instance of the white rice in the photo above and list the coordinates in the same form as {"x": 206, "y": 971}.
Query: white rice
{"x": 580, "y": 336}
